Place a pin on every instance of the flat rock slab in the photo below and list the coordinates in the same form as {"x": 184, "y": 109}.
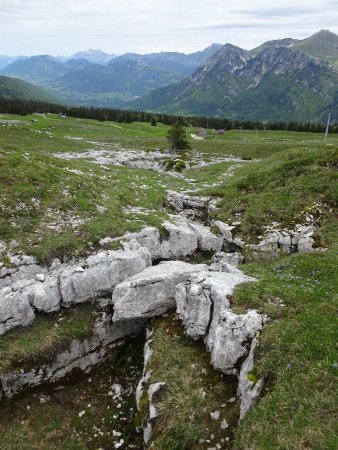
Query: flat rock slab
{"x": 151, "y": 292}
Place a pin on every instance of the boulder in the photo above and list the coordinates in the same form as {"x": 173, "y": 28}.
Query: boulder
{"x": 206, "y": 240}
{"x": 181, "y": 241}
{"x": 15, "y": 309}
{"x": 229, "y": 337}
{"x": 151, "y": 292}
{"x": 100, "y": 273}
{"x": 148, "y": 237}
{"x": 45, "y": 295}
{"x": 202, "y": 298}
{"x": 190, "y": 207}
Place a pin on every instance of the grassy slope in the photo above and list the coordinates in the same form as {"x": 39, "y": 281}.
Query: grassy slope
{"x": 283, "y": 188}
{"x": 15, "y": 89}
{"x": 35, "y": 198}
{"x": 323, "y": 45}
{"x": 296, "y": 171}
{"x": 297, "y": 352}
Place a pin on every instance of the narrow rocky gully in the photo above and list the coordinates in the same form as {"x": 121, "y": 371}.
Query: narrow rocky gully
{"x": 106, "y": 381}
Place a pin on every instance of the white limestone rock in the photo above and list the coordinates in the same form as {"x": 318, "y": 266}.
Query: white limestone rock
{"x": 305, "y": 244}
{"x": 15, "y": 309}
{"x": 220, "y": 261}
{"x": 23, "y": 272}
{"x": 148, "y": 237}
{"x": 225, "y": 229}
{"x": 194, "y": 308}
{"x": 248, "y": 391}
{"x": 191, "y": 207}
{"x": 182, "y": 240}
{"x": 151, "y": 292}
{"x": 201, "y": 299}
{"x": 45, "y": 295}
{"x": 229, "y": 336}
{"x": 206, "y": 240}
{"x": 100, "y": 273}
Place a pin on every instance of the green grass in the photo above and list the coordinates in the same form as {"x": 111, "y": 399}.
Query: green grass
{"x": 48, "y": 335}
{"x": 288, "y": 176}
{"x": 42, "y": 194}
{"x": 297, "y": 353}
{"x": 185, "y": 414}
{"x": 283, "y": 188}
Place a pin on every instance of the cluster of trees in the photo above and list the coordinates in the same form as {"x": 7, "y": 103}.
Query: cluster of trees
{"x": 24, "y": 107}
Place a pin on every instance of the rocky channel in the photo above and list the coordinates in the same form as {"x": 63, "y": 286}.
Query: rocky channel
{"x": 143, "y": 280}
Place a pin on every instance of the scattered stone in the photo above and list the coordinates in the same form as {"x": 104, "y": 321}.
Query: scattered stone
{"x": 224, "y": 424}
{"x": 215, "y": 415}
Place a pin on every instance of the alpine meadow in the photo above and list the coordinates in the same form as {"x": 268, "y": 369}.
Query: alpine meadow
{"x": 168, "y": 226}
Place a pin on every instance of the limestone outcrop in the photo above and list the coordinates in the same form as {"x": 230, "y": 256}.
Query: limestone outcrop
{"x": 249, "y": 390}
{"x": 182, "y": 238}
{"x": 288, "y": 241}
{"x": 67, "y": 285}
{"x": 81, "y": 355}
{"x": 190, "y": 207}
{"x": 151, "y": 292}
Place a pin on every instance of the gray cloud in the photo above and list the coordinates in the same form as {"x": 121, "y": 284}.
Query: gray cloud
{"x": 275, "y": 12}
{"x": 118, "y": 26}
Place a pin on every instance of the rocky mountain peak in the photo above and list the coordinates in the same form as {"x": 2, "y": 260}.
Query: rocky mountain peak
{"x": 227, "y": 59}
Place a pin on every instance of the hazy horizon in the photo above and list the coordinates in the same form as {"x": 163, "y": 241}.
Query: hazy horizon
{"x": 33, "y": 27}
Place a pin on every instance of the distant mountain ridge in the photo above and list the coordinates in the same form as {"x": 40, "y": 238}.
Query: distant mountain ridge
{"x": 284, "y": 79}
{"x": 122, "y": 79}
{"x": 15, "y": 89}
{"x": 276, "y": 81}
{"x": 94, "y": 56}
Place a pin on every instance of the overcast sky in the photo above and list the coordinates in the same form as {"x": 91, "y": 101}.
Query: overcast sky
{"x": 62, "y": 27}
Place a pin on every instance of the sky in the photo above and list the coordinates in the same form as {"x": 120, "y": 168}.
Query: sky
{"x": 63, "y": 27}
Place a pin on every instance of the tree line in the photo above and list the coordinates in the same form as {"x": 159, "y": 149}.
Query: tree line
{"x": 24, "y": 107}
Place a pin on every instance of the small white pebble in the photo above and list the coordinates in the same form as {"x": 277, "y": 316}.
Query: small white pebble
{"x": 81, "y": 413}
{"x": 215, "y": 415}
{"x": 224, "y": 424}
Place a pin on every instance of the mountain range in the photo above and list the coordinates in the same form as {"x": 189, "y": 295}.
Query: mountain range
{"x": 280, "y": 80}
{"x": 121, "y": 79}
{"x": 286, "y": 79}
